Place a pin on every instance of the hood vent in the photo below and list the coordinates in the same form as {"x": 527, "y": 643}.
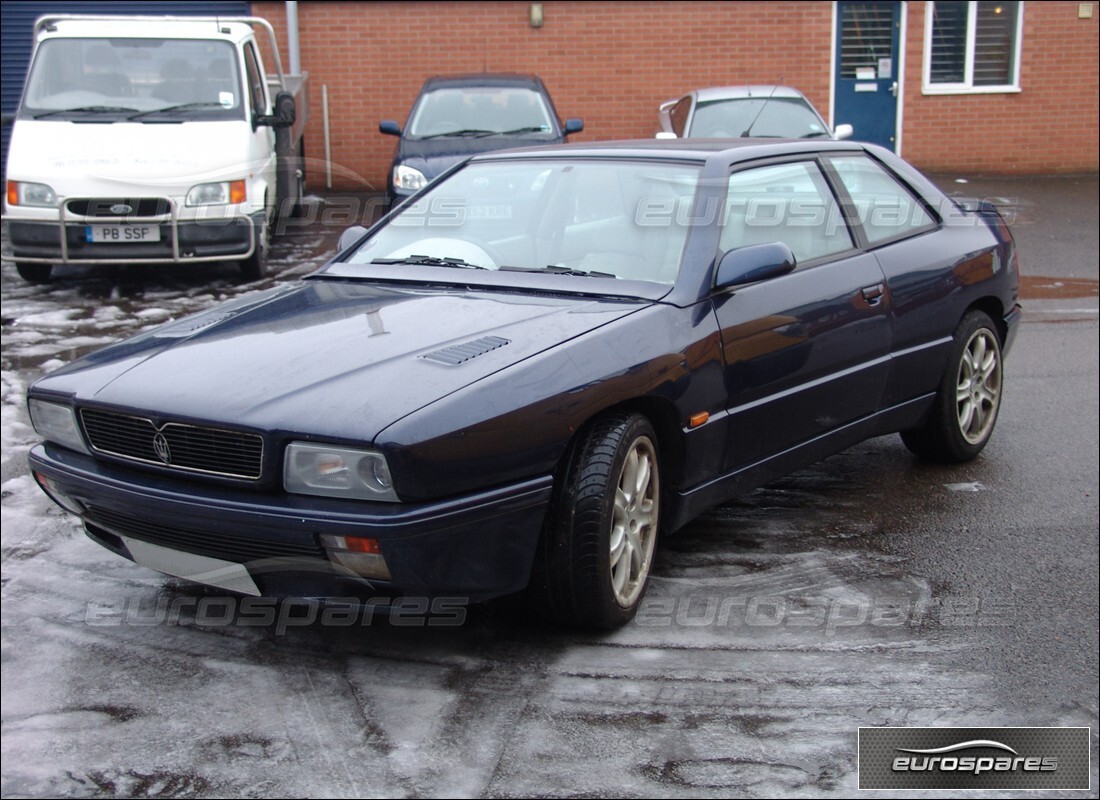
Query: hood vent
{"x": 461, "y": 353}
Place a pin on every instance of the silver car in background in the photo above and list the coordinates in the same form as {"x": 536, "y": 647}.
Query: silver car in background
{"x": 765, "y": 111}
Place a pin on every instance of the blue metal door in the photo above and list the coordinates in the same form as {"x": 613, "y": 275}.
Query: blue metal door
{"x": 866, "y": 95}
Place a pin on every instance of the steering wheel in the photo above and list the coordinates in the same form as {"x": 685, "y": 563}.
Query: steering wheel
{"x": 473, "y": 250}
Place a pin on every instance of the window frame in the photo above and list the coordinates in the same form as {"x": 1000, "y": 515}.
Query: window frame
{"x": 821, "y": 172}
{"x": 850, "y": 208}
{"x": 967, "y": 86}
{"x": 254, "y": 77}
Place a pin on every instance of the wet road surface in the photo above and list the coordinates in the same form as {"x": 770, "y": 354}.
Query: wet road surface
{"x": 870, "y": 589}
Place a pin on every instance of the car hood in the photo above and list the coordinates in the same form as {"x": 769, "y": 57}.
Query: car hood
{"x": 335, "y": 359}
{"x": 127, "y": 158}
{"x": 432, "y": 157}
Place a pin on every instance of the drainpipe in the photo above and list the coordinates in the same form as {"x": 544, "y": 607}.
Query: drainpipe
{"x": 292, "y": 38}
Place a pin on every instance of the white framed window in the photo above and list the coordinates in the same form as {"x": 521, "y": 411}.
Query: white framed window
{"x": 972, "y": 47}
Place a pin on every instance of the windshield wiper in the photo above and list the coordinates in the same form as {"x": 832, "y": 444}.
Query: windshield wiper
{"x": 558, "y": 269}
{"x": 463, "y": 132}
{"x": 87, "y": 110}
{"x": 528, "y": 129}
{"x": 429, "y": 261}
{"x": 814, "y": 134}
{"x": 171, "y": 109}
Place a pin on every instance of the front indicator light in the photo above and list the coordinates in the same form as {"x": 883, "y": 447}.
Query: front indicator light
{"x": 359, "y": 554}
{"x": 55, "y": 493}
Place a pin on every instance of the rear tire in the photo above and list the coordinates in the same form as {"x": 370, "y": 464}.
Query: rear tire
{"x": 34, "y": 273}
{"x": 965, "y": 410}
{"x": 598, "y": 542}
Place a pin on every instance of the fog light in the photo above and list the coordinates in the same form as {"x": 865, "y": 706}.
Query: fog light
{"x": 55, "y": 493}
{"x": 360, "y": 554}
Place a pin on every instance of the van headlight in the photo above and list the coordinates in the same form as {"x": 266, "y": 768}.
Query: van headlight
{"x": 56, "y": 423}
{"x": 220, "y": 193}
{"x": 22, "y": 193}
{"x": 328, "y": 471}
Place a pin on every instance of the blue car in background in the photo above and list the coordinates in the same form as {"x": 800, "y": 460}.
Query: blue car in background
{"x": 454, "y": 118}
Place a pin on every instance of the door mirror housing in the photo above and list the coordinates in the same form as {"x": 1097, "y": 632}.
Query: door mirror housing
{"x": 573, "y": 125}
{"x": 389, "y": 127}
{"x": 757, "y": 262}
{"x": 843, "y": 131}
{"x": 285, "y": 113}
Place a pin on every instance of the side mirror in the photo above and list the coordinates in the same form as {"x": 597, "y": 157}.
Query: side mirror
{"x": 389, "y": 127}
{"x": 665, "y": 135}
{"x": 754, "y": 263}
{"x": 284, "y": 116}
{"x": 573, "y": 125}
{"x": 843, "y": 131}
{"x": 350, "y": 237}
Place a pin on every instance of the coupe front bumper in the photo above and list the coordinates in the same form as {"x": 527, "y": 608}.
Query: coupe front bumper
{"x": 473, "y": 547}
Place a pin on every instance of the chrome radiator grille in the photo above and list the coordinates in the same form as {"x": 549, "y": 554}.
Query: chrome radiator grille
{"x": 190, "y": 448}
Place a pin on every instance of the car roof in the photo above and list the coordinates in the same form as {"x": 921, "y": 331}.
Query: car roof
{"x": 681, "y": 149}
{"x": 482, "y": 79}
{"x": 739, "y": 92}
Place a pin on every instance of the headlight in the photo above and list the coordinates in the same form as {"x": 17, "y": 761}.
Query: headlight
{"x": 217, "y": 194}
{"x": 56, "y": 423}
{"x": 30, "y": 194}
{"x": 408, "y": 178}
{"x": 337, "y": 472}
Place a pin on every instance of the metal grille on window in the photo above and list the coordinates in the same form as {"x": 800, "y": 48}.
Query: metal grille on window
{"x": 866, "y": 31}
{"x": 994, "y": 47}
{"x": 992, "y": 50}
{"x": 949, "y": 42}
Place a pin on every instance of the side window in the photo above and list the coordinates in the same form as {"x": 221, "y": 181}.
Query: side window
{"x": 256, "y": 91}
{"x": 679, "y": 116}
{"x": 886, "y": 209}
{"x": 789, "y": 203}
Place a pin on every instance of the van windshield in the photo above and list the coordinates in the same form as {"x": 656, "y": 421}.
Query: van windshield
{"x": 112, "y": 79}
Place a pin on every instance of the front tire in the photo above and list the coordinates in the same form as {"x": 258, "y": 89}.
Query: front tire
{"x": 598, "y": 542}
{"x": 34, "y": 273}
{"x": 965, "y": 410}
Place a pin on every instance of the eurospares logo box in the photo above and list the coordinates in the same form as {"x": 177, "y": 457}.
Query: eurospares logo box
{"x": 974, "y": 758}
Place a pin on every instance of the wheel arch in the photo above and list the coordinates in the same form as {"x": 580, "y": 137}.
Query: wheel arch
{"x": 664, "y": 418}
{"x": 993, "y": 308}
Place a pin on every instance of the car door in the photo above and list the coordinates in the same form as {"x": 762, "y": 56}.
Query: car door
{"x": 805, "y": 353}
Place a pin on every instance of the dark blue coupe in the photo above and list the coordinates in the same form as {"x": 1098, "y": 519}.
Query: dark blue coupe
{"x": 524, "y": 375}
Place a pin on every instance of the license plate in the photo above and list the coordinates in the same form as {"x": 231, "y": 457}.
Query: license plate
{"x": 201, "y": 569}
{"x": 490, "y": 212}
{"x": 121, "y": 234}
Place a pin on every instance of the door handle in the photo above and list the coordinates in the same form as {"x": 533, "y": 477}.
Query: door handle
{"x": 894, "y": 88}
{"x": 873, "y": 294}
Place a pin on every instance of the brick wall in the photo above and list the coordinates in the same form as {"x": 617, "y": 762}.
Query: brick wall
{"x": 610, "y": 63}
{"x": 1049, "y": 126}
{"x": 613, "y": 63}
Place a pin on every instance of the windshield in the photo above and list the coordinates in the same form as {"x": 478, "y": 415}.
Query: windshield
{"x": 118, "y": 77}
{"x": 783, "y": 117}
{"x": 610, "y": 219}
{"x": 480, "y": 109}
